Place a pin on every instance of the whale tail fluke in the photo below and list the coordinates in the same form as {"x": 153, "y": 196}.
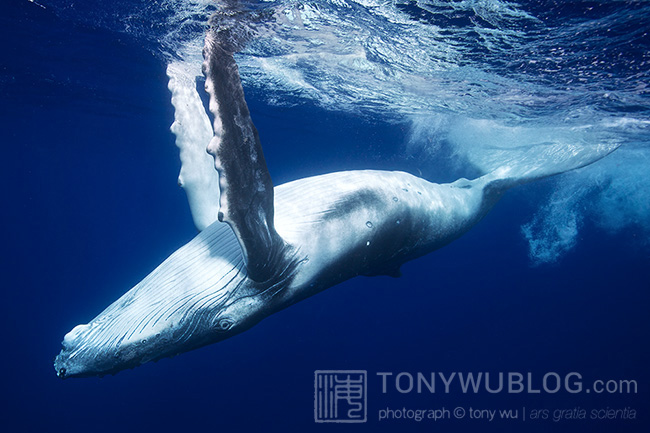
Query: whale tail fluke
{"x": 519, "y": 166}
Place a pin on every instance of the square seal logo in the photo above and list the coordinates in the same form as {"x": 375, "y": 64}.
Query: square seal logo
{"x": 340, "y": 396}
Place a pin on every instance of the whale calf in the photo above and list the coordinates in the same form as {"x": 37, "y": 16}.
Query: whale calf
{"x": 262, "y": 248}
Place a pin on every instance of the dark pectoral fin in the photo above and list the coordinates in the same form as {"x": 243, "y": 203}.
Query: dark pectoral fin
{"x": 246, "y": 202}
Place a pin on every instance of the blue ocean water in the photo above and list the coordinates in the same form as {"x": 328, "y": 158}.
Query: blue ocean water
{"x": 554, "y": 280}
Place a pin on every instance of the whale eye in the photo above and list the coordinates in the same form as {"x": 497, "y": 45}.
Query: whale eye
{"x": 225, "y": 324}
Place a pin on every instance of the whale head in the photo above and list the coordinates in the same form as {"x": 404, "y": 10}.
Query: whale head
{"x": 200, "y": 295}
{"x": 111, "y": 343}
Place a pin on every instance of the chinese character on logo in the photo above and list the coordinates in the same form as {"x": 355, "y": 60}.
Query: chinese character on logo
{"x": 340, "y": 395}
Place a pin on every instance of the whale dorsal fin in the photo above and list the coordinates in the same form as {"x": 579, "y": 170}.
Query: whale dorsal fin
{"x": 246, "y": 201}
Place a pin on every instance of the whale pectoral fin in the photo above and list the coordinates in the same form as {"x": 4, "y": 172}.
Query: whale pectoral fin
{"x": 246, "y": 202}
{"x": 193, "y": 132}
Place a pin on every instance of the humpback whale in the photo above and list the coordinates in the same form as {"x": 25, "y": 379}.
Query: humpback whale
{"x": 262, "y": 248}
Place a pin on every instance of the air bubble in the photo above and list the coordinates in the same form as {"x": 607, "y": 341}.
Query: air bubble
{"x": 395, "y": 199}
{"x": 398, "y": 222}
{"x": 368, "y": 243}
{"x": 369, "y": 224}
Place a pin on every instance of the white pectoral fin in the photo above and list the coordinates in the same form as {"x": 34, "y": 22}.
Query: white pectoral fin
{"x": 246, "y": 187}
{"x": 193, "y": 132}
